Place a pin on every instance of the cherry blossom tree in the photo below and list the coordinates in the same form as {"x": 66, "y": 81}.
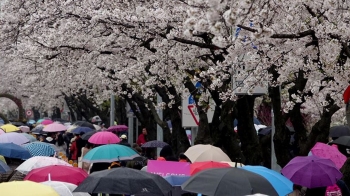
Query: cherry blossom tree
{"x": 136, "y": 49}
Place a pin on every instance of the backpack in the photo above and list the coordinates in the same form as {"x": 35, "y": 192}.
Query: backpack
{"x": 333, "y": 191}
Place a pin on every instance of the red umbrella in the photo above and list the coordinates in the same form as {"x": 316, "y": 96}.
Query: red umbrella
{"x": 199, "y": 166}
{"x": 61, "y": 173}
{"x": 346, "y": 95}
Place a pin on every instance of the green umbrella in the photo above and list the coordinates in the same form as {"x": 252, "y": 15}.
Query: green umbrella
{"x": 110, "y": 153}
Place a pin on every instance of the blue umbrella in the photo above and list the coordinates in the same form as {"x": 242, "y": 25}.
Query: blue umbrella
{"x": 4, "y": 168}
{"x": 40, "y": 149}
{"x": 15, "y": 151}
{"x": 80, "y": 130}
{"x": 31, "y": 122}
{"x": 282, "y": 185}
{"x": 175, "y": 180}
{"x": 38, "y": 130}
{"x": 109, "y": 153}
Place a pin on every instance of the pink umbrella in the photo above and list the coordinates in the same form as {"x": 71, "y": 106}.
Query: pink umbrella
{"x": 55, "y": 127}
{"x": 104, "y": 137}
{"x": 46, "y": 122}
{"x": 1, "y": 131}
{"x": 24, "y": 129}
{"x": 117, "y": 128}
{"x": 13, "y": 137}
{"x": 60, "y": 173}
{"x": 325, "y": 151}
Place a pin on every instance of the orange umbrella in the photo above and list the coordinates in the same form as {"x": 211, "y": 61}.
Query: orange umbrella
{"x": 199, "y": 166}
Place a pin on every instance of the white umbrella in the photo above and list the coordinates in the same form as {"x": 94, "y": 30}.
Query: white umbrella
{"x": 13, "y": 137}
{"x": 38, "y": 162}
{"x": 54, "y": 127}
{"x": 64, "y": 188}
{"x": 202, "y": 152}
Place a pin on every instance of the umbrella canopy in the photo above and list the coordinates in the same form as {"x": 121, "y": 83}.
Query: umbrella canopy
{"x": 17, "y": 124}
{"x": 104, "y": 137}
{"x": 39, "y": 162}
{"x": 176, "y": 180}
{"x": 54, "y": 127}
{"x": 117, "y": 128}
{"x": 4, "y": 167}
{"x": 87, "y": 135}
{"x": 338, "y": 131}
{"x": 201, "y": 152}
{"x": 30, "y": 122}
{"x": 38, "y": 130}
{"x": 233, "y": 164}
{"x": 282, "y": 185}
{"x": 9, "y": 128}
{"x": 61, "y": 173}
{"x": 80, "y": 130}
{"x": 343, "y": 140}
{"x": 2, "y": 131}
{"x": 40, "y": 149}
{"x": 264, "y": 131}
{"x": 124, "y": 181}
{"x": 312, "y": 171}
{"x": 29, "y": 137}
{"x": 64, "y": 188}
{"x": 84, "y": 124}
{"x": 39, "y": 121}
{"x": 228, "y": 181}
{"x": 24, "y": 129}
{"x": 199, "y": 166}
{"x": 110, "y": 153}
{"x": 15, "y": 151}
{"x": 154, "y": 144}
{"x": 26, "y": 188}
{"x": 325, "y": 151}
{"x": 46, "y": 122}
{"x": 13, "y": 137}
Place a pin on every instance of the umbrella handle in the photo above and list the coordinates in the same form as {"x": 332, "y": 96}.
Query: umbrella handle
{"x": 49, "y": 177}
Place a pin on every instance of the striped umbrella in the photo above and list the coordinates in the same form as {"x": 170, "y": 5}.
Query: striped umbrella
{"x": 154, "y": 144}
{"x": 40, "y": 149}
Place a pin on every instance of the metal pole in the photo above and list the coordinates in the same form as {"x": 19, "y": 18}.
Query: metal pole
{"x": 112, "y": 115}
{"x": 130, "y": 116}
{"x": 159, "y": 128}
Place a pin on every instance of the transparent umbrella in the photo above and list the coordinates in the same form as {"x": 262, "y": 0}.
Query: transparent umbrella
{"x": 64, "y": 188}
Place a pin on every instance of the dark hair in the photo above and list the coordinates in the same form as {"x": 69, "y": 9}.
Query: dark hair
{"x": 60, "y": 140}
{"x": 182, "y": 156}
{"x": 88, "y": 145}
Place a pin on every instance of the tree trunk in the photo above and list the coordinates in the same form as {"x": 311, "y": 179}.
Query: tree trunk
{"x": 246, "y": 131}
{"x": 36, "y": 114}
{"x": 120, "y": 111}
{"x": 281, "y": 139}
{"x": 348, "y": 114}
{"x": 3, "y": 117}
{"x": 223, "y": 132}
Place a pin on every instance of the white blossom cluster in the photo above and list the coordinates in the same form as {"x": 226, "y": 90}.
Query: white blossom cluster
{"x": 128, "y": 46}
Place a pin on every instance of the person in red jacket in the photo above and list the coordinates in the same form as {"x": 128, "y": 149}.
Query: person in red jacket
{"x": 142, "y": 137}
{"x": 74, "y": 150}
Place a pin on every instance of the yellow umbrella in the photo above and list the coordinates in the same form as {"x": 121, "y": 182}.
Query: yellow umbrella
{"x": 26, "y": 188}
{"x": 2, "y": 158}
{"x": 9, "y": 128}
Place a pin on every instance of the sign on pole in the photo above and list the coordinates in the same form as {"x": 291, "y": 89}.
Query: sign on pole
{"x": 29, "y": 113}
{"x": 190, "y": 116}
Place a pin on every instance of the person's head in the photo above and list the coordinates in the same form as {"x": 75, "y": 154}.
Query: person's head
{"x": 144, "y": 131}
{"x": 123, "y": 137}
{"x": 88, "y": 145}
{"x": 77, "y": 135}
{"x": 60, "y": 140}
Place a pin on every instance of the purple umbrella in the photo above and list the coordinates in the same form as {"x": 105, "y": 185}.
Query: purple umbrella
{"x": 312, "y": 172}
{"x": 117, "y": 128}
{"x": 13, "y": 137}
{"x": 154, "y": 144}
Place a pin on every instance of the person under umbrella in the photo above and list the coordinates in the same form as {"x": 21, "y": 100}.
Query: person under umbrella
{"x": 124, "y": 140}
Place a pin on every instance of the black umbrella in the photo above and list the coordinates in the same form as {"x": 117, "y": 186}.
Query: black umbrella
{"x": 38, "y": 130}
{"x": 87, "y": 135}
{"x": 60, "y": 120}
{"x": 343, "y": 140}
{"x": 154, "y": 144}
{"x": 338, "y": 131}
{"x": 124, "y": 181}
{"x": 228, "y": 181}
{"x": 17, "y": 124}
{"x": 84, "y": 124}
